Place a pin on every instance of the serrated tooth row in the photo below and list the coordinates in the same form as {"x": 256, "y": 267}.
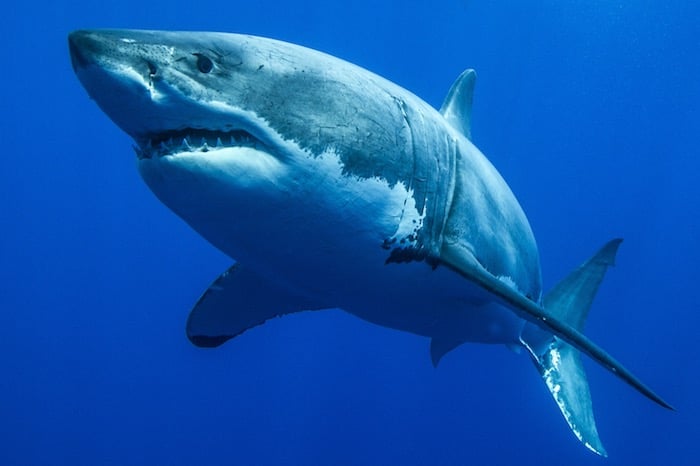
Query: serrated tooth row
{"x": 150, "y": 147}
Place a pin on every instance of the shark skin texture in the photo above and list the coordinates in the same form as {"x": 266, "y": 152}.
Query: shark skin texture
{"x": 332, "y": 187}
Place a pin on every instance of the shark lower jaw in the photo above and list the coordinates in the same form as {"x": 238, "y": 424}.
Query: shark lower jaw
{"x": 194, "y": 140}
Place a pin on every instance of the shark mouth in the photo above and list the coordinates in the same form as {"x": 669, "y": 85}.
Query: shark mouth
{"x": 192, "y": 140}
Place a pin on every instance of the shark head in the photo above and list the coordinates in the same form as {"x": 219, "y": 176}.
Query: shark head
{"x": 233, "y": 131}
{"x": 179, "y": 93}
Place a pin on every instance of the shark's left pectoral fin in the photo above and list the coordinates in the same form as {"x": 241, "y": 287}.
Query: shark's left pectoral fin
{"x": 236, "y": 301}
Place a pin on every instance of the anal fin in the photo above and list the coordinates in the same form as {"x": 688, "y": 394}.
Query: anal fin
{"x": 236, "y": 301}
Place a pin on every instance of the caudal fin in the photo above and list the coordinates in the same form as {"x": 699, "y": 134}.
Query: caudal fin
{"x": 558, "y": 362}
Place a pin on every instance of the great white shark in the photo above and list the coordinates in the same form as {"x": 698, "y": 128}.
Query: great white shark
{"x": 332, "y": 187}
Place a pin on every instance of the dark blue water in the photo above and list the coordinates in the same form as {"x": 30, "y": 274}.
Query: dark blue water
{"x": 591, "y": 111}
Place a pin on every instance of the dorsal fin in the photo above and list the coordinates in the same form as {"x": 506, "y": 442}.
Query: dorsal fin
{"x": 457, "y": 107}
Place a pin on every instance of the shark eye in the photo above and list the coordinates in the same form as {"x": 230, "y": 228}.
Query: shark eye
{"x": 204, "y": 63}
{"x": 152, "y": 70}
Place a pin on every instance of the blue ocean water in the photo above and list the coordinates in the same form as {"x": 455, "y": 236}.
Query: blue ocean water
{"x": 590, "y": 110}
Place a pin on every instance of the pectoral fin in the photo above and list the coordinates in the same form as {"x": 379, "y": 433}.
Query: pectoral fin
{"x": 236, "y": 301}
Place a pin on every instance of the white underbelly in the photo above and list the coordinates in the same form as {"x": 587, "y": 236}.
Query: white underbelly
{"x": 322, "y": 234}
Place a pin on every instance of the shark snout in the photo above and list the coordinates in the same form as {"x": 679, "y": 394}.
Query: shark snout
{"x": 82, "y": 47}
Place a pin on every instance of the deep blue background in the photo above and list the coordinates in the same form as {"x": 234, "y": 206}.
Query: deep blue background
{"x": 591, "y": 111}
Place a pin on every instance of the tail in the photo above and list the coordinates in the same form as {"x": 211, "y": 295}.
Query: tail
{"x": 558, "y": 362}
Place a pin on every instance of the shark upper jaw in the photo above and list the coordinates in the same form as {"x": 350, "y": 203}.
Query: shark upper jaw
{"x": 146, "y": 101}
{"x": 203, "y": 135}
{"x": 182, "y": 142}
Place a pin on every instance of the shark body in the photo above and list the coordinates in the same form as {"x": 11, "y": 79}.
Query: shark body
{"x": 335, "y": 188}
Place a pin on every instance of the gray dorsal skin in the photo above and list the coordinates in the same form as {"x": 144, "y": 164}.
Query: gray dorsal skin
{"x": 333, "y": 187}
{"x": 457, "y": 106}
